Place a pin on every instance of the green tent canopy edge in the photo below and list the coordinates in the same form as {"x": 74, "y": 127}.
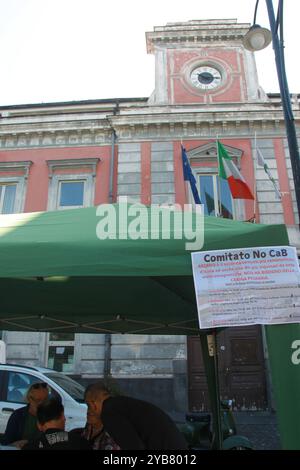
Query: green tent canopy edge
{"x": 56, "y": 274}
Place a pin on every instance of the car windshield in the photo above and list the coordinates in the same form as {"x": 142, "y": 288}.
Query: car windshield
{"x": 69, "y": 385}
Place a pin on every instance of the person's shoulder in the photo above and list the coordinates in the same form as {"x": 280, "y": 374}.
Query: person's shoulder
{"x": 77, "y": 431}
{"x": 78, "y": 441}
{"x": 20, "y": 411}
{"x": 125, "y": 401}
{"x": 119, "y": 399}
{"x": 113, "y": 402}
{"x": 33, "y": 445}
{"x": 23, "y": 409}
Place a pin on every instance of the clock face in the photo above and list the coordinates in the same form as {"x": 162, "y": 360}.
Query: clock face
{"x": 206, "y": 78}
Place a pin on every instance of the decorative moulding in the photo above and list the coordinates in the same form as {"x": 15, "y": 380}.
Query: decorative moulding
{"x": 72, "y": 163}
{"x": 208, "y": 152}
{"x": 16, "y": 166}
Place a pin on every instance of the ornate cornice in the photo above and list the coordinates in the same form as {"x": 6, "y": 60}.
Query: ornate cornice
{"x": 61, "y": 137}
{"x": 148, "y": 123}
{"x": 193, "y": 33}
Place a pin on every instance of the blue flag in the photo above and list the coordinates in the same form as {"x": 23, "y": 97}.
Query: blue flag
{"x": 188, "y": 176}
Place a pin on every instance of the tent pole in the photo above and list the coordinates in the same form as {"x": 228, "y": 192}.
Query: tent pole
{"x": 107, "y": 336}
{"x": 209, "y": 353}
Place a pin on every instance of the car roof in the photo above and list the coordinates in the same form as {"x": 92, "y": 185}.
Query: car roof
{"x": 21, "y": 366}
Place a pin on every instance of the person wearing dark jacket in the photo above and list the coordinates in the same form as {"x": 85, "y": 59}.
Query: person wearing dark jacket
{"x": 51, "y": 422}
{"x": 22, "y": 423}
{"x": 133, "y": 424}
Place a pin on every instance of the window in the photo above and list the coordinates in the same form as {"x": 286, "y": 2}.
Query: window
{"x": 13, "y": 186}
{"x": 214, "y": 192}
{"x": 70, "y": 386}
{"x": 18, "y": 385}
{"x": 71, "y": 194}
{"x": 7, "y": 198}
{"x": 215, "y": 196}
{"x": 61, "y": 352}
{"x": 72, "y": 183}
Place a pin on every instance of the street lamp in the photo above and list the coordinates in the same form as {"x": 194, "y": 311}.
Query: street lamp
{"x": 258, "y": 38}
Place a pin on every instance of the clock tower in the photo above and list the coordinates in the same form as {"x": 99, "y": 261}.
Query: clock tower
{"x": 204, "y": 62}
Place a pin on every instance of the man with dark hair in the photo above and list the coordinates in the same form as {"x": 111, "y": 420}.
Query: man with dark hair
{"x": 51, "y": 422}
{"x": 132, "y": 423}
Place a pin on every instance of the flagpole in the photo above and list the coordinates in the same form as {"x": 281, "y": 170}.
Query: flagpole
{"x": 219, "y": 185}
{"x": 186, "y": 188}
{"x": 255, "y": 176}
{"x": 261, "y": 162}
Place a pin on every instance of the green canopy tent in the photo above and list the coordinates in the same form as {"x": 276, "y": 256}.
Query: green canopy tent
{"x": 57, "y": 275}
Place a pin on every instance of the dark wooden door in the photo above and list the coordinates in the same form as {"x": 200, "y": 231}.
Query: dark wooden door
{"x": 241, "y": 370}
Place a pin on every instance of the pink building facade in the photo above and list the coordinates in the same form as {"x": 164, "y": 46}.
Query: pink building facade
{"x": 56, "y": 156}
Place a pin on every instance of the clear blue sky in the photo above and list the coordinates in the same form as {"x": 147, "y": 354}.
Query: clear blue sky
{"x": 61, "y": 50}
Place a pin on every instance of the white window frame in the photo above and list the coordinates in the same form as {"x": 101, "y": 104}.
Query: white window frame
{"x": 20, "y": 181}
{"x": 55, "y": 185}
{"x": 216, "y": 192}
{"x": 3, "y": 187}
{"x": 75, "y": 179}
{"x": 207, "y": 154}
{"x": 238, "y": 208}
{"x": 88, "y": 177}
{"x": 19, "y": 202}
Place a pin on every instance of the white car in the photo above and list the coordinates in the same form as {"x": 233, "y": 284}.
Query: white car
{"x": 15, "y": 381}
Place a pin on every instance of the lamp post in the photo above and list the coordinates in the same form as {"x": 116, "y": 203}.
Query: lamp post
{"x": 258, "y": 38}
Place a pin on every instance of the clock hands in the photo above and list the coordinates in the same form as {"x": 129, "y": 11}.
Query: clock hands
{"x": 206, "y": 77}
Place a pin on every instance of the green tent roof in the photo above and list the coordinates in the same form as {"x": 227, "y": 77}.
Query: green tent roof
{"x": 57, "y": 275}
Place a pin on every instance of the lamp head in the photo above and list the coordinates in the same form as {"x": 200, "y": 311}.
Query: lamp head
{"x": 257, "y": 38}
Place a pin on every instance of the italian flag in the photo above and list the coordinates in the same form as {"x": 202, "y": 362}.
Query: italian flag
{"x": 228, "y": 171}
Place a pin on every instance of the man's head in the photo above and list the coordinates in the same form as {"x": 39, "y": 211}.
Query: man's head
{"x": 36, "y": 394}
{"x": 50, "y": 415}
{"x": 95, "y": 395}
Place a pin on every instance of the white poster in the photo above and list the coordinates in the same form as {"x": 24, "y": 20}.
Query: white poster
{"x": 247, "y": 286}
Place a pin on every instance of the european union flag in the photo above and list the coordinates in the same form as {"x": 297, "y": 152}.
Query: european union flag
{"x": 188, "y": 176}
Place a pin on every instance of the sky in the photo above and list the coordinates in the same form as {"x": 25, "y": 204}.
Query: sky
{"x": 66, "y": 50}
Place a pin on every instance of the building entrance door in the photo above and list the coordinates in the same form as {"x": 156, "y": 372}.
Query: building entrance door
{"x": 242, "y": 375}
